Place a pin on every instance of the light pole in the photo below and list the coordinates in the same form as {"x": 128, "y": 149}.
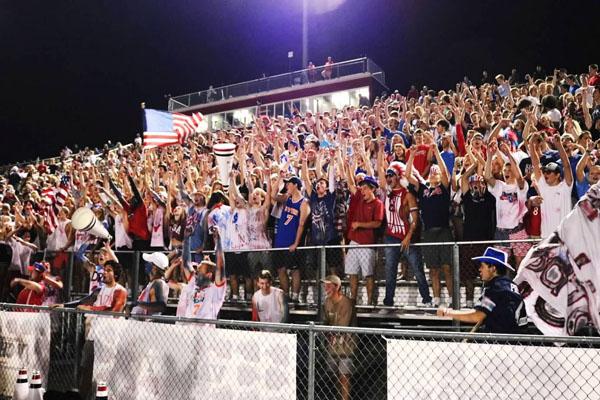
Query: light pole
{"x": 304, "y": 33}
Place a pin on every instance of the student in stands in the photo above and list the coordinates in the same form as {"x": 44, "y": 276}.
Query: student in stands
{"x": 500, "y": 308}
{"x": 268, "y": 303}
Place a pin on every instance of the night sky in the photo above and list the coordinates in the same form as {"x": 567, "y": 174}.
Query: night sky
{"x": 76, "y": 71}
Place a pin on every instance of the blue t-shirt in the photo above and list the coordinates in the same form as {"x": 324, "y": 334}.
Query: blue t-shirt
{"x": 582, "y": 187}
{"x": 434, "y": 203}
{"x": 448, "y": 158}
{"x": 502, "y": 305}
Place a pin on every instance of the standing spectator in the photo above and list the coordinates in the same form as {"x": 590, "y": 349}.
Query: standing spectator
{"x": 402, "y": 216}
{"x": 500, "y": 306}
{"x": 328, "y": 69}
{"x": 555, "y": 191}
{"x": 237, "y": 231}
{"x": 585, "y": 181}
{"x": 479, "y": 207}
{"x": 204, "y": 293}
{"x": 153, "y": 299}
{"x": 338, "y": 310}
{"x": 137, "y": 214}
{"x": 365, "y": 216}
{"x": 268, "y": 303}
{"x": 594, "y": 78}
{"x": 322, "y": 205}
{"x": 434, "y": 202}
{"x": 511, "y": 195}
{"x": 111, "y": 297}
{"x": 413, "y": 93}
{"x": 290, "y": 228}
{"x": 311, "y": 72}
{"x": 34, "y": 289}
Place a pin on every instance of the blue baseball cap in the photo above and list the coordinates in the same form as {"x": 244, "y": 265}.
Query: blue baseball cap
{"x": 369, "y": 180}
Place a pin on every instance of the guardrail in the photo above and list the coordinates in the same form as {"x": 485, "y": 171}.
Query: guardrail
{"x": 300, "y": 77}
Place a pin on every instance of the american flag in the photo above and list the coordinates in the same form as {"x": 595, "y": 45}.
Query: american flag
{"x": 163, "y": 128}
{"x": 47, "y": 209}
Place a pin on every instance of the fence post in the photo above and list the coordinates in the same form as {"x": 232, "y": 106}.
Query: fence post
{"x": 136, "y": 276}
{"x": 311, "y": 361}
{"x": 456, "y": 279}
{"x": 79, "y": 333}
{"x": 69, "y": 276}
{"x": 322, "y": 273}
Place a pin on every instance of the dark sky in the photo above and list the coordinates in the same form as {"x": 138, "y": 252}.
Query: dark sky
{"x": 76, "y": 71}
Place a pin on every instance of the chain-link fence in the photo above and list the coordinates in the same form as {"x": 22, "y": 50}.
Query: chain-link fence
{"x": 168, "y": 357}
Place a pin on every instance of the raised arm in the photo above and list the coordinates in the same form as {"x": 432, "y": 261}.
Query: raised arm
{"x": 464, "y": 178}
{"x": 441, "y": 164}
{"x": 567, "y": 171}
{"x": 409, "y": 169}
{"x": 488, "y": 175}
{"x": 304, "y": 176}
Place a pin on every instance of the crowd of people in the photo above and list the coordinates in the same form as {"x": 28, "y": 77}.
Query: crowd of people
{"x": 502, "y": 160}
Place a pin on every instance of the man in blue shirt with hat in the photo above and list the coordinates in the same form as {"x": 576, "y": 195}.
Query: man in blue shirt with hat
{"x": 500, "y": 307}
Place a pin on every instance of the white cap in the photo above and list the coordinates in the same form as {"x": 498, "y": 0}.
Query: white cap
{"x": 158, "y": 259}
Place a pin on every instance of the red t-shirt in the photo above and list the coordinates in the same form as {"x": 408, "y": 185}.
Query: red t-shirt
{"x": 27, "y": 296}
{"x": 421, "y": 161}
{"x": 361, "y": 211}
{"x": 533, "y": 222}
{"x": 594, "y": 80}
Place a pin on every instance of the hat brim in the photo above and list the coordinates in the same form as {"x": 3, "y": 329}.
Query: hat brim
{"x": 148, "y": 257}
{"x": 493, "y": 261}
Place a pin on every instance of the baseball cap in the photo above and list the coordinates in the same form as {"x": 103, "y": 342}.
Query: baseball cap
{"x": 551, "y": 167}
{"x": 369, "y": 180}
{"x": 311, "y": 138}
{"x": 295, "y": 180}
{"x": 332, "y": 279}
{"x": 476, "y": 178}
{"x": 38, "y": 266}
{"x": 159, "y": 259}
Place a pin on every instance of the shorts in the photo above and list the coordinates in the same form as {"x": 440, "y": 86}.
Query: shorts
{"x": 469, "y": 269}
{"x": 236, "y": 264}
{"x": 519, "y": 233}
{"x": 288, "y": 259}
{"x": 360, "y": 260}
{"x": 258, "y": 260}
{"x": 436, "y": 256}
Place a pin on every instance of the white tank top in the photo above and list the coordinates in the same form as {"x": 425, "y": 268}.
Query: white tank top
{"x": 122, "y": 239}
{"x": 257, "y": 229}
{"x": 58, "y": 239}
{"x": 157, "y": 239}
{"x": 269, "y": 307}
{"x": 106, "y": 295}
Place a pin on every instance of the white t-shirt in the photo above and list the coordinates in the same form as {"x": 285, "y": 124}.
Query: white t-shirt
{"x": 201, "y": 303}
{"x": 219, "y": 218}
{"x": 556, "y": 205}
{"x": 237, "y": 229}
{"x": 106, "y": 295}
{"x": 510, "y": 204}
{"x": 270, "y": 307}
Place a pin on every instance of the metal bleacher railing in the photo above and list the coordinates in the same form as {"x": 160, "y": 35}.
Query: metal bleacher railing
{"x": 301, "y": 77}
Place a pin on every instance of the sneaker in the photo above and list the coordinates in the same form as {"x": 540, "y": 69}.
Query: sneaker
{"x": 234, "y": 297}
{"x": 436, "y": 302}
{"x": 429, "y": 304}
{"x": 384, "y": 311}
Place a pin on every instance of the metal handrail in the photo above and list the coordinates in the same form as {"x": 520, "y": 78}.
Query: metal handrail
{"x": 367, "y": 66}
{"x": 325, "y": 328}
